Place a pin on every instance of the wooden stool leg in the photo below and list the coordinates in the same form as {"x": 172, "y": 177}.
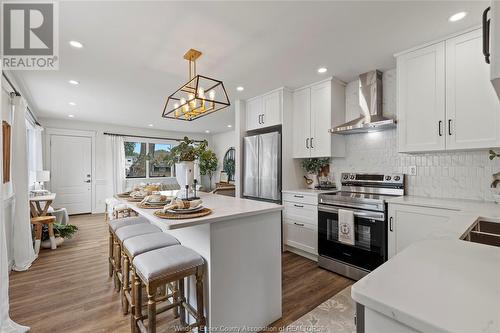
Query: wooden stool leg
{"x": 125, "y": 283}
{"x": 151, "y": 310}
{"x": 175, "y": 297}
{"x": 117, "y": 251}
{"x": 200, "y": 309}
{"x": 38, "y": 237}
{"x": 110, "y": 253}
{"x": 52, "y": 237}
{"x": 182, "y": 310}
{"x": 137, "y": 301}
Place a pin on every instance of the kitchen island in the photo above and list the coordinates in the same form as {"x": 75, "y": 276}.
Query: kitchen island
{"x": 241, "y": 244}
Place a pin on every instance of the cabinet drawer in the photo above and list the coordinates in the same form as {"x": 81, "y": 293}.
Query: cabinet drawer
{"x": 301, "y": 237}
{"x": 301, "y": 198}
{"x": 302, "y": 213}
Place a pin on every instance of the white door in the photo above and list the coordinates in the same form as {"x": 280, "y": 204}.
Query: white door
{"x": 254, "y": 113}
{"x": 421, "y": 99}
{"x": 301, "y": 123}
{"x": 272, "y": 109}
{"x": 71, "y": 176}
{"x": 472, "y": 105}
{"x": 321, "y": 120}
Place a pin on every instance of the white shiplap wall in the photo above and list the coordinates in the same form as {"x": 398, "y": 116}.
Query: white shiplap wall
{"x": 465, "y": 175}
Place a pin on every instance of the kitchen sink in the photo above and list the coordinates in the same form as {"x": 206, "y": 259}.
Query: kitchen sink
{"x": 485, "y": 232}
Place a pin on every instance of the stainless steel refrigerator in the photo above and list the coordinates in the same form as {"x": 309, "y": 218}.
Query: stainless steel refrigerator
{"x": 262, "y": 166}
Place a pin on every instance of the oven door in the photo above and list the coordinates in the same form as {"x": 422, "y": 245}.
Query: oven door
{"x": 370, "y": 248}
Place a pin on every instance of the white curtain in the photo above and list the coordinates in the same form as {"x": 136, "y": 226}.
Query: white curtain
{"x": 116, "y": 156}
{"x": 35, "y": 159}
{"x": 23, "y": 252}
{"x": 6, "y": 324}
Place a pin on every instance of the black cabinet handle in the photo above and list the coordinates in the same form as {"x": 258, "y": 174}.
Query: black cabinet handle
{"x": 299, "y": 224}
{"x": 449, "y": 126}
{"x": 312, "y": 143}
{"x": 440, "y": 124}
{"x": 298, "y": 196}
{"x": 391, "y": 228}
{"x": 263, "y": 119}
{"x": 307, "y": 143}
{"x": 299, "y": 206}
{"x": 486, "y": 35}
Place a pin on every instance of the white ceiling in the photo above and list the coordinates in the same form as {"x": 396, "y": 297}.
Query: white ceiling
{"x": 132, "y": 59}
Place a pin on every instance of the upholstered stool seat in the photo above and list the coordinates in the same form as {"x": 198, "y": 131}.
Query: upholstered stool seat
{"x": 156, "y": 268}
{"x": 129, "y": 231}
{"x": 135, "y": 246}
{"x": 126, "y": 221}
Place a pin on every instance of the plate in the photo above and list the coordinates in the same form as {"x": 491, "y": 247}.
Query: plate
{"x": 186, "y": 210}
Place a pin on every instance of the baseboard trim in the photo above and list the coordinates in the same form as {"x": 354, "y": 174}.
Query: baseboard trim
{"x": 302, "y": 253}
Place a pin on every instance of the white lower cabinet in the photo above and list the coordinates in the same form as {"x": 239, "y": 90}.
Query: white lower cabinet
{"x": 300, "y": 223}
{"x": 409, "y": 224}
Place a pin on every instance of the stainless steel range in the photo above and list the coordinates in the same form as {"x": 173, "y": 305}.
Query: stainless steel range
{"x": 361, "y": 203}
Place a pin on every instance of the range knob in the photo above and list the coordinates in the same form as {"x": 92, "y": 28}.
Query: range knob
{"x": 352, "y": 177}
{"x": 397, "y": 178}
{"x": 387, "y": 178}
{"x": 346, "y": 177}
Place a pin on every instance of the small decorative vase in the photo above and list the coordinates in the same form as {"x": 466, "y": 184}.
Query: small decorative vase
{"x": 46, "y": 243}
{"x": 314, "y": 179}
{"x": 184, "y": 173}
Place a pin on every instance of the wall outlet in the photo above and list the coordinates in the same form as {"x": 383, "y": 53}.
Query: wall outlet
{"x": 412, "y": 171}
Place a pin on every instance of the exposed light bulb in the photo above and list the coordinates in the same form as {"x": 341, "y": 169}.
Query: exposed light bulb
{"x": 211, "y": 94}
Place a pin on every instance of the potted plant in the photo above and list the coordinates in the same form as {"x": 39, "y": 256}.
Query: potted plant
{"x": 208, "y": 164}
{"x": 61, "y": 232}
{"x": 312, "y": 167}
{"x": 183, "y": 156}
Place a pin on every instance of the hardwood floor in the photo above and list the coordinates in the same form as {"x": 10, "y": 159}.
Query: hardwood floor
{"x": 68, "y": 290}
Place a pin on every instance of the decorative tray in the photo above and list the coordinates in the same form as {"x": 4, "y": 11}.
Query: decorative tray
{"x": 173, "y": 216}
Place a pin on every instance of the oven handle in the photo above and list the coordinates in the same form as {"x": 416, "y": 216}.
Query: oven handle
{"x": 357, "y": 213}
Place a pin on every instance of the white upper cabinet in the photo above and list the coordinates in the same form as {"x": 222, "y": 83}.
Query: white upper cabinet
{"x": 421, "y": 99}
{"x": 301, "y": 115}
{"x": 472, "y": 106}
{"x": 445, "y": 98}
{"x": 494, "y": 40}
{"x": 316, "y": 109}
{"x": 264, "y": 111}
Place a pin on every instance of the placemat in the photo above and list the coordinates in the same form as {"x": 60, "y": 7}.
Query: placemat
{"x": 173, "y": 216}
{"x": 150, "y": 206}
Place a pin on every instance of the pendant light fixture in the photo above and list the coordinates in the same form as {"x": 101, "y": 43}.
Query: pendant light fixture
{"x": 199, "y": 97}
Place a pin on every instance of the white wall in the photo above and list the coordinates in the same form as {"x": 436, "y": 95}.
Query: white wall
{"x": 102, "y": 178}
{"x": 220, "y": 143}
{"x": 464, "y": 175}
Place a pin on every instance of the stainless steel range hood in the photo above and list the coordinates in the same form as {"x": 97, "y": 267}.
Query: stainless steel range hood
{"x": 370, "y": 102}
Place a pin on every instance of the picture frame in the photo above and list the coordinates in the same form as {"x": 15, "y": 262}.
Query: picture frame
{"x": 224, "y": 178}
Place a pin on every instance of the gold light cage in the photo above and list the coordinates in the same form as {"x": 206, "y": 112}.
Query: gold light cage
{"x": 199, "y": 97}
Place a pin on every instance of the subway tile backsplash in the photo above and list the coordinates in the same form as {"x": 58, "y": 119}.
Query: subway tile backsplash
{"x": 465, "y": 175}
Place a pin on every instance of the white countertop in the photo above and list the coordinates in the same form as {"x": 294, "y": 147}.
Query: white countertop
{"x": 441, "y": 285}
{"x": 224, "y": 208}
{"x": 437, "y": 286}
{"x": 310, "y": 191}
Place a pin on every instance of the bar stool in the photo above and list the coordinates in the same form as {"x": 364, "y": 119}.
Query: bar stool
{"x": 156, "y": 268}
{"x": 122, "y": 234}
{"x": 38, "y": 222}
{"x": 135, "y": 246}
{"x": 113, "y": 226}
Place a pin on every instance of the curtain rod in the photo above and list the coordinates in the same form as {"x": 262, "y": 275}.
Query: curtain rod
{"x": 19, "y": 94}
{"x": 146, "y": 137}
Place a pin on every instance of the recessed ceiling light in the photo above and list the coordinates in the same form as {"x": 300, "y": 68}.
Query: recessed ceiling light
{"x": 150, "y": 125}
{"x": 71, "y": 116}
{"x": 240, "y": 88}
{"x": 73, "y": 82}
{"x": 457, "y": 17}
{"x": 76, "y": 44}
{"x": 322, "y": 70}
{"x": 72, "y": 103}
{"x": 229, "y": 125}
{"x": 207, "y": 131}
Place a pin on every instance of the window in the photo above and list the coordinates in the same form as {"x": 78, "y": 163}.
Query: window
{"x": 135, "y": 159}
{"x": 158, "y": 167}
{"x": 147, "y": 160}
